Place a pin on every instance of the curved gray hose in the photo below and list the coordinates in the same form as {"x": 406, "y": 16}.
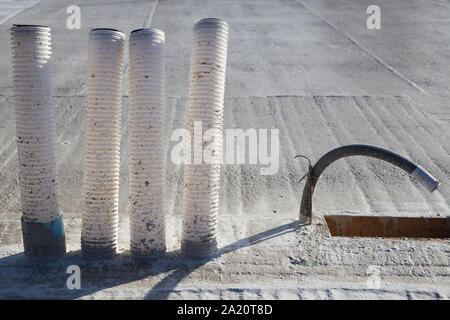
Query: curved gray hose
{"x": 417, "y": 171}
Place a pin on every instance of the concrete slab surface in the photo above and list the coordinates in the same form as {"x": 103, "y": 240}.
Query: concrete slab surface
{"x": 314, "y": 71}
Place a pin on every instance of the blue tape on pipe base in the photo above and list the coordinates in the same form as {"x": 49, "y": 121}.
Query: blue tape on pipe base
{"x": 44, "y": 241}
{"x": 56, "y": 227}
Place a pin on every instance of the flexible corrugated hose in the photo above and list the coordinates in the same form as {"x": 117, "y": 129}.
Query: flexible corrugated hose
{"x": 417, "y": 171}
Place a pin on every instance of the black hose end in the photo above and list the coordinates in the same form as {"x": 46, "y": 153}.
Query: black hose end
{"x": 44, "y": 241}
{"x": 430, "y": 182}
{"x": 304, "y": 218}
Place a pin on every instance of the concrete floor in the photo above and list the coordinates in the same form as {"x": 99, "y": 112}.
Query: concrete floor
{"x": 308, "y": 68}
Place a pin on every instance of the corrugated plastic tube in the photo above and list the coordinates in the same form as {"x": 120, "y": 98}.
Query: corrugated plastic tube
{"x": 146, "y": 91}
{"x": 102, "y": 143}
{"x": 206, "y": 98}
{"x": 419, "y": 173}
{"x": 42, "y": 225}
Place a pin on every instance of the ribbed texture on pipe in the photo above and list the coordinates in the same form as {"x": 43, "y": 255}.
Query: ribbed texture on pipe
{"x": 146, "y": 91}
{"x": 363, "y": 150}
{"x": 102, "y": 143}
{"x": 206, "y": 96}
{"x": 35, "y": 122}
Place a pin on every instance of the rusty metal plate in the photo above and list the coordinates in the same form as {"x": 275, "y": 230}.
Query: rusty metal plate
{"x": 388, "y": 227}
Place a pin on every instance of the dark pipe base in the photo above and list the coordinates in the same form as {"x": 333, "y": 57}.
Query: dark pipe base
{"x": 93, "y": 252}
{"x": 44, "y": 241}
{"x": 198, "y": 249}
{"x": 147, "y": 257}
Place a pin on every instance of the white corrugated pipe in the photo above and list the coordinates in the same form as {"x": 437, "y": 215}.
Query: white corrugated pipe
{"x": 146, "y": 91}
{"x": 42, "y": 226}
{"x": 102, "y": 143}
{"x": 206, "y": 97}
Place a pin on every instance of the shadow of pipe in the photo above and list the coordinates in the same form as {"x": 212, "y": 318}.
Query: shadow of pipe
{"x": 166, "y": 286}
{"x": 23, "y": 279}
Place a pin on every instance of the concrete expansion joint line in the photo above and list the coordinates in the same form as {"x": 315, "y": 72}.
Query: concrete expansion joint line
{"x": 149, "y": 18}
{"x": 360, "y": 46}
{"x": 2, "y": 22}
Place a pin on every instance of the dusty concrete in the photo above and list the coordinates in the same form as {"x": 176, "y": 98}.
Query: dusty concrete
{"x": 10, "y": 8}
{"x": 269, "y": 258}
{"x": 310, "y": 69}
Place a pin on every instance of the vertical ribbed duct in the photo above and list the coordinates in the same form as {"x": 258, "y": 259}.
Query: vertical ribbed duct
{"x": 42, "y": 225}
{"x": 206, "y": 97}
{"x": 102, "y": 143}
{"x": 146, "y": 91}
